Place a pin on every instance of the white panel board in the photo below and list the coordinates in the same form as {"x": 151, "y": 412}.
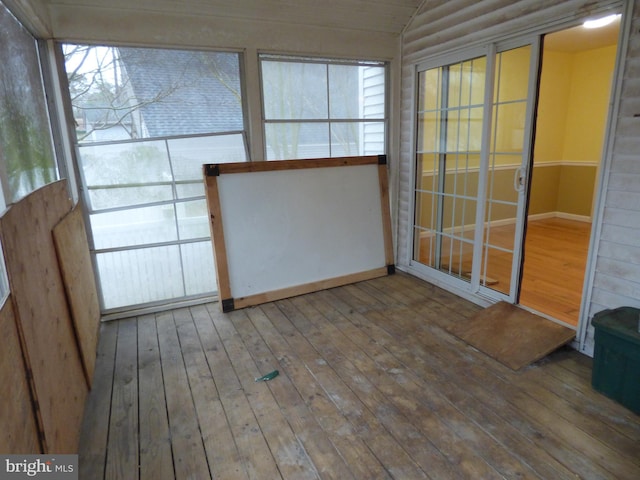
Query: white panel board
{"x": 287, "y": 231}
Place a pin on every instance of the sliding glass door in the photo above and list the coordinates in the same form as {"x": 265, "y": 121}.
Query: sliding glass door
{"x": 450, "y": 120}
{"x": 472, "y": 154}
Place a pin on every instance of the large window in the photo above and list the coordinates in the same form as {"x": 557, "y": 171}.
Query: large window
{"x": 146, "y": 121}
{"x": 27, "y": 159}
{"x": 322, "y": 108}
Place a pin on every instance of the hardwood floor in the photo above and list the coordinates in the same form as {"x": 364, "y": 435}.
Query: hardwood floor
{"x": 556, "y": 253}
{"x": 371, "y": 385}
{"x": 555, "y": 256}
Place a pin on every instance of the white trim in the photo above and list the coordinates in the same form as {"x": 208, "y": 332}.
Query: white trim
{"x": 411, "y": 234}
{"x": 251, "y": 77}
{"x": 563, "y": 215}
{"x": 161, "y": 306}
{"x": 510, "y": 221}
{"x": 513, "y": 166}
{"x": 481, "y": 195}
{"x": 446, "y": 282}
{"x": 571, "y": 216}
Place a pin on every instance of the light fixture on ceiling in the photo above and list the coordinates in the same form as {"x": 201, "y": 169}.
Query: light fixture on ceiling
{"x": 601, "y": 22}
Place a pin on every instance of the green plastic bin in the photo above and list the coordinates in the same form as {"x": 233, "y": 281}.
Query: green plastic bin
{"x": 616, "y": 358}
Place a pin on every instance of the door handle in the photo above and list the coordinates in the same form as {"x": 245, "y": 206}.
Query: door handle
{"x": 519, "y": 177}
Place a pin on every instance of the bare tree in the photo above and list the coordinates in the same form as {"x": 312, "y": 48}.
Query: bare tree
{"x": 105, "y": 96}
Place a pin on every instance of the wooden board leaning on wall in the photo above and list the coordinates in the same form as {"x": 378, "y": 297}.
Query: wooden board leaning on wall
{"x": 50, "y": 348}
{"x": 72, "y": 249}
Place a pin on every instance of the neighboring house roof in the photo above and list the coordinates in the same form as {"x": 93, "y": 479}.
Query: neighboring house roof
{"x": 184, "y": 92}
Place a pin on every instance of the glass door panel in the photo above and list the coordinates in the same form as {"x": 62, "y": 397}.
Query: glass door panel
{"x": 449, "y": 138}
{"x": 472, "y": 154}
{"x": 508, "y": 158}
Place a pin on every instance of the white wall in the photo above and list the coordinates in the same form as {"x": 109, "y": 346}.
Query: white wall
{"x": 75, "y": 23}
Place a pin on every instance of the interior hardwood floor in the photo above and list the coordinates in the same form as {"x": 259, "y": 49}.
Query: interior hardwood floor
{"x": 371, "y": 386}
{"x": 555, "y": 254}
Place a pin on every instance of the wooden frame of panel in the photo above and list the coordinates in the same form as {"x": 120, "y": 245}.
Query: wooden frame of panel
{"x": 268, "y": 218}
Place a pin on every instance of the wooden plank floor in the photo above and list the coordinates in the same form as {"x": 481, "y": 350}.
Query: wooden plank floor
{"x": 371, "y": 386}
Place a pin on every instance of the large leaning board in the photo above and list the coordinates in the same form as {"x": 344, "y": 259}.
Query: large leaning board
{"x": 284, "y": 228}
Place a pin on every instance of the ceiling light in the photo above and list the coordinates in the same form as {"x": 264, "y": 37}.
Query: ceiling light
{"x": 601, "y": 22}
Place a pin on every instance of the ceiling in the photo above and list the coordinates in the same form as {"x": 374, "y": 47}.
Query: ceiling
{"x": 578, "y": 38}
{"x": 388, "y": 16}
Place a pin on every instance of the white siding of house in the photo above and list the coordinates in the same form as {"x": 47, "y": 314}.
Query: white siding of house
{"x": 442, "y": 27}
{"x": 373, "y": 105}
{"x": 616, "y": 274}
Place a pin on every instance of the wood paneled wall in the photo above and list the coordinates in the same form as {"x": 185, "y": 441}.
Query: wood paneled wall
{"x": 19, "y": 426}
{"x": 53, "y": 380}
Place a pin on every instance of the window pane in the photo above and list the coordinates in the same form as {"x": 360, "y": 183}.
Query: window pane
{"x": 124, "y": 92}
{"x": 118, "y": 175}
{"x": 125, "y": 163}
{"x": 137, "y": 226}
{"x": 344, "y": 92}
{"x": 189, "y": 154}
{"x": 189, "y": 190}
{"x": 345, "y": 139}
{"x": 373, "y": 92}
{"x": 193, "y": 219}
{"x": 510, "y": 118}
{"x": 348, "y": 95}
{"x": 26, "y": 151}
{"x": 354, "y": 138}
{"x": 513, "y": 70}
{"x": 116, "y": 197}
{"x": 356, "y": 91}
{"x": 191, "y": 104}
{"x": 430, "y": 84}
{"x": 286, "y": 141}
{"x": 429, "y": 124}
{"x": 294, "y": 91}
{"x": 374, "y": 138}
{"x": 199, "y": 268}
{"x": 140, "y": 276}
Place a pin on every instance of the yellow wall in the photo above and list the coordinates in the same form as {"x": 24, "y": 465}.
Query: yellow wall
{"x": 555, "y": 82}
{"x": 571, "y": 120}
{"x": 572, "y": 110}
{"x": 592, "y": 72}
{"x": 572, "y": 114}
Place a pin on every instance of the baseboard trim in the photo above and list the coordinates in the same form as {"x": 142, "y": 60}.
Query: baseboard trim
{"x": 511, "y": 221}
{"x": 563, "y": 215}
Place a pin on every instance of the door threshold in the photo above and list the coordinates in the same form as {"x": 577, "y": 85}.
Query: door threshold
{"x": 547, "y": 316}
{"x": 466, "y": 275}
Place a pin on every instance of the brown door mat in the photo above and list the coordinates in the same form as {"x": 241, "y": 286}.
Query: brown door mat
{"x": 511, "y": 335}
